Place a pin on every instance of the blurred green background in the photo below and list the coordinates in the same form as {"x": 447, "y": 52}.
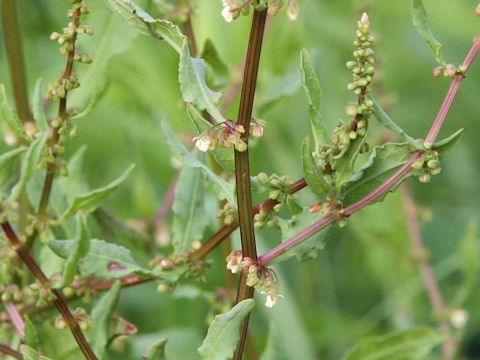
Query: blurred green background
{"x": 365, "y": 281}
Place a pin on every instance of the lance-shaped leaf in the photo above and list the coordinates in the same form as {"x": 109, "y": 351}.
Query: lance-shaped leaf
{"x": 383, "y": 162}
{"x": 224, "y": 156}
{"x": 192, "y": 71}
{"x": 38, "y": 110}
{"x": 156, "y": 351}
{"x": 193, "y": 86}
{"x": 387, "y": 121}
{"x": 313, "y": 175}
{"x": 90, "y": 201}
{"x": 101, "y": 317}
{"x": 224, "y": 189}
{"x": 274, "y": 350}
{"x": 449, "y": 142}
{"x": 224, "y": 332}
{"x": 31, "y": 334}
{"x": 10, "y": 117}
{"x": 92, "y": 102}
{"x": 31, "y": 354}
{"x": 104, "y": 260}
{"x": 29, "y": 165}
{"x": 308, "y": 249}
{"x": 422, "y": 25}
{"x": 79, "y": 249}
{"x": 412, "y": 344}
{"x": 190, "y": 216}
{"x": 7, "y": 161}
{"x": 313, "y": 94}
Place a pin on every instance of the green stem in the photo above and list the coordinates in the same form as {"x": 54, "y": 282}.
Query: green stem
{"x": 9, "y": 351}
{"x": 242, "y": 165}
{"x": 14, "y": 51}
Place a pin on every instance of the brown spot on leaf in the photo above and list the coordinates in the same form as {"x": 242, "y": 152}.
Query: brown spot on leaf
{"x": 115, "y": 266}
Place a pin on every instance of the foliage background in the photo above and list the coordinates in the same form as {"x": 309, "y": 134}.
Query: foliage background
{"x": 365, "y": 281}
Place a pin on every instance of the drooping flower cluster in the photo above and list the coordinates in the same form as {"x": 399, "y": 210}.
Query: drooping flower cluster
{"x": 232, "y": 9}
{"x": 262, "y": 278}
{"x": 226, "y": 134}
{"x": 228, "y": 214}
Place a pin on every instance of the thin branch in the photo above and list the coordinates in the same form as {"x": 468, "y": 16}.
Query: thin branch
{"x": 242, "y": 164}
{"x": 15, "y": 317}
{"x": 385, "y": 186}
{"x": 62, "y": 114}
{"x": 60, "y": 301}
{"x": 9, "y": 351}
{"x": 14, "y": 51}
{"x": 421, "y": 256}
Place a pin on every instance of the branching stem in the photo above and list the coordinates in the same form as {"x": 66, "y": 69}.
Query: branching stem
{"x": 60, "y": 301}
{"x": 387, "y": 184}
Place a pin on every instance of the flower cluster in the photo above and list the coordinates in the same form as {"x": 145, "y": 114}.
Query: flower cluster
{"x": 448, "y": 71}
{"x": 59, "y": 87}
{"x": 278, "y": 188}
{"x": 260, "y": 277}
{"x": 226, "y": 134}
{"x": 232, "y": 9}
{"x": 81, "y": 317}
{"x": 428, "y": 165}
{"x": 228, "y": 214}
{"x": 347, "y": 132}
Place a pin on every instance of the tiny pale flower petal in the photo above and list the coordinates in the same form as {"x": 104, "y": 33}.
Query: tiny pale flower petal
{"x": 227, "y": 14}
{"x": 202, "y": 143}
{"x": 270, "y": 301}
{"x": 292, "y": 10}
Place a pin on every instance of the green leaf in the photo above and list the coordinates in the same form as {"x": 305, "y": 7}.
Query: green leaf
{"x": 190, "y": 217}
{"x": 219, "y": 71}
{"x": 225, "y": 157}
{"x": 7, "y": 160}
{"x": 386, "y": 121}
{"x": 224, "y": 189}
{"x": 97, "y": 94}
{"x": 29, "y": 165}
{"x": 156, "y": 351}
{"x": 101, "y": 317}
{"x": 274, "y": 349}
{"x": 422, "y": 25}
{"x": 383, "y": 162}
{"x": 412, "y": 344}
{"x": 31, "y": 334}
{"x": 114, "y": 38}
{"x": 10, "y": 117}
{"x": 344, "y": 166}
{"x": 75, "y": 183}
{"x": 80, "y": 248}
{"x": 313, "y": 93}
{"x": 143, "y": 22}
{"x": 192, "y": 71}
{"x": 449, "y": 142}
{"x": 38, "y": 110}
{"x": 224, "y": 332}
{"x": 30, "y": 354}
{"x": 308, "y": 249}
{"x": 313, "y": 175}
{"x": 104, "y": 260}
{"x": 90, "y": 201}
